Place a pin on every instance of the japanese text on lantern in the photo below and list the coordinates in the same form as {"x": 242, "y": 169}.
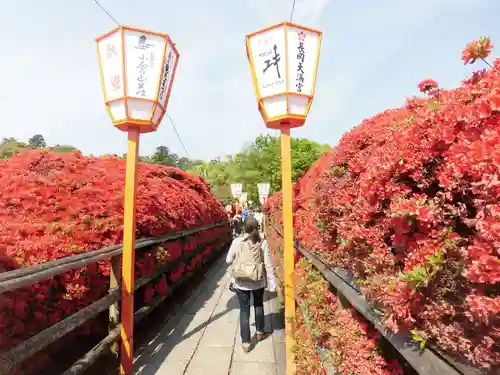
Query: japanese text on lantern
{"x": 300, "y": 62}
{"x": 115, "y": 79}
{"x": 141, "y": 77}
{"x": 271, "y": 59}
{"x": 165, "y": 78}
{"x": 111, "y": 51}
{"x": 142, "y": 66}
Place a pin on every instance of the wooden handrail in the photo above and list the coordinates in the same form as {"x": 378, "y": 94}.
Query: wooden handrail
{"x": 91, "y": 357}
{"x": 22, "y": 277}
{"x": 27, "y": 276}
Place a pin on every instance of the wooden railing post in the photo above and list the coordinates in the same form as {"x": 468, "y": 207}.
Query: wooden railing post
{"x": 114, "y": 309}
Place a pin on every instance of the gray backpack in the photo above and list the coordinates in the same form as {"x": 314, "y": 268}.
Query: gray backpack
{"x": 249, "y": 262}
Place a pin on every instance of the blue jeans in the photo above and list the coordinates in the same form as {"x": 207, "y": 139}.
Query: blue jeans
{"x": 258, "y": 304}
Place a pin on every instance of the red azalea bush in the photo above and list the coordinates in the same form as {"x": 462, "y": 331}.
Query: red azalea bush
{"x": 56, "y": 205}
{"x": 349, "y": 343}
{"x": 409, "y": 203}
{"x": 305, "y": 358}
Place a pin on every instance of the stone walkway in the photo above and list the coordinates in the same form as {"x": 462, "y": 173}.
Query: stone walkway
{"x": 203, "y": 337}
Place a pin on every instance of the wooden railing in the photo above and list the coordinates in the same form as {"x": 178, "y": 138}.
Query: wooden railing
{"x": 31, "y": 275}
{"x": 427, "y": 361}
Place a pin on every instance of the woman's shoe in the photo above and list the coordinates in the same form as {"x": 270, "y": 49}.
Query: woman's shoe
{"x": 260, "y": 336}
{"x": 246, "y": 346}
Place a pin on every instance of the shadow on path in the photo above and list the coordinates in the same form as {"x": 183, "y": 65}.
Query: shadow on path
{"x": 152, "y": 357}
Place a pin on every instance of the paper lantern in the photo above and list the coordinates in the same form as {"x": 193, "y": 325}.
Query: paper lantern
{"x": 236, "y": 190}
{"x": 284, "y": 63}
{"x": 264, "y": 189}
{"x": 137, "y": 72}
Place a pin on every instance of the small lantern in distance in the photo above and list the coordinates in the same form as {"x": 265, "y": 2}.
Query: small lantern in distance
{"x": 284, "y": 63}
{"x": 263, "y": 192}
{"x": 137, "y": 72}
{"x": 264, "y": 189}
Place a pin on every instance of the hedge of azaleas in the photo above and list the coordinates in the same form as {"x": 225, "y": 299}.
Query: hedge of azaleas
{"x": 56, "y": 205}
{"x": 409, "y": 204}
{"x": 349, "y": 344}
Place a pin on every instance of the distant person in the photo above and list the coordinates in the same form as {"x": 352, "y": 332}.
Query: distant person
{"x": 252, "y": 271}
{"x": 237, "y": 225}
{"x": 229, "y": 211}
{"x": 259, "y": 216}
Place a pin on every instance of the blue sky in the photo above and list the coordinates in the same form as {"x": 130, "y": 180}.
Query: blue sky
{"x": 373, "y": 55}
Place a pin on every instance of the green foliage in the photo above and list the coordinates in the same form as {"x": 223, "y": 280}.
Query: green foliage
{"x": 37, "y": 141}
{"x": 420, "y": 337}
{"x": 11, "y": 146}
{"x": 164, "y": 156}
{"x": 257, "y": 163}
{"x": 421, "y": 275}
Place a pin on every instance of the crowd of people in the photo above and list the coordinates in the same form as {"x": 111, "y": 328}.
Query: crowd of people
{"x": 237, "y": 216}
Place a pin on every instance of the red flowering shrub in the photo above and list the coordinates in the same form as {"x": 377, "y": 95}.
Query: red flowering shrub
{"x": 56, "y": 205}
{"x": 409, "y": 203}
{"x": 349, "y": 343}
{"x": 305, "y": 358}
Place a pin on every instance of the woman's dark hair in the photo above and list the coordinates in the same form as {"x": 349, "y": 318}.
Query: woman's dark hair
{"x": 238, "y": 226}
{"x": 250, "y": 224}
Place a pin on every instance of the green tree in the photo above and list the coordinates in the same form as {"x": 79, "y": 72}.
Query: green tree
{"x": 184, "y": 163}
{"x": 6, "y": 140}
{"x": 37, "y": 141}
{"x": 163, "y": 156}
{"x": 261, "y": 162}
{"x": 258, "y": 162}
{"x": 10, "y": 147}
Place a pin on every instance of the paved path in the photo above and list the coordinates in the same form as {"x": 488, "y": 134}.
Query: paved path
{"x": 203, "y": 337}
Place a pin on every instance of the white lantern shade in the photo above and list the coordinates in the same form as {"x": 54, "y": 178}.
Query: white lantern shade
{"x": 236, "y": 190}
{"x": 284, "y": 63}
{"x": 137, "y": 72}
{"x": 263, "y": 190}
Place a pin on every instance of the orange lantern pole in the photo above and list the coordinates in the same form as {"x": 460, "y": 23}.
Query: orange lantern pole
{"x": 137, "y": 70}
{"x": 128, "y": 256}
{"x": 284, "y": 60}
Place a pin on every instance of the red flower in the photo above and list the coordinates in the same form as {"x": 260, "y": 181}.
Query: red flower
{"x": 149, "y": 292}
{"x": 162, "y": 287}
{"x": 477, "y": 49}
{"x": 427, "y": 85}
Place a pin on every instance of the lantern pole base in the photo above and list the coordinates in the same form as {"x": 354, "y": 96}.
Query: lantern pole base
{"x": 289, "y": 251}
{"x": 128, "y": 257}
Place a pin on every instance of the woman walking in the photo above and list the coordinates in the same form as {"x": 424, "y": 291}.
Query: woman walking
{"x": 252, "y": 272}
